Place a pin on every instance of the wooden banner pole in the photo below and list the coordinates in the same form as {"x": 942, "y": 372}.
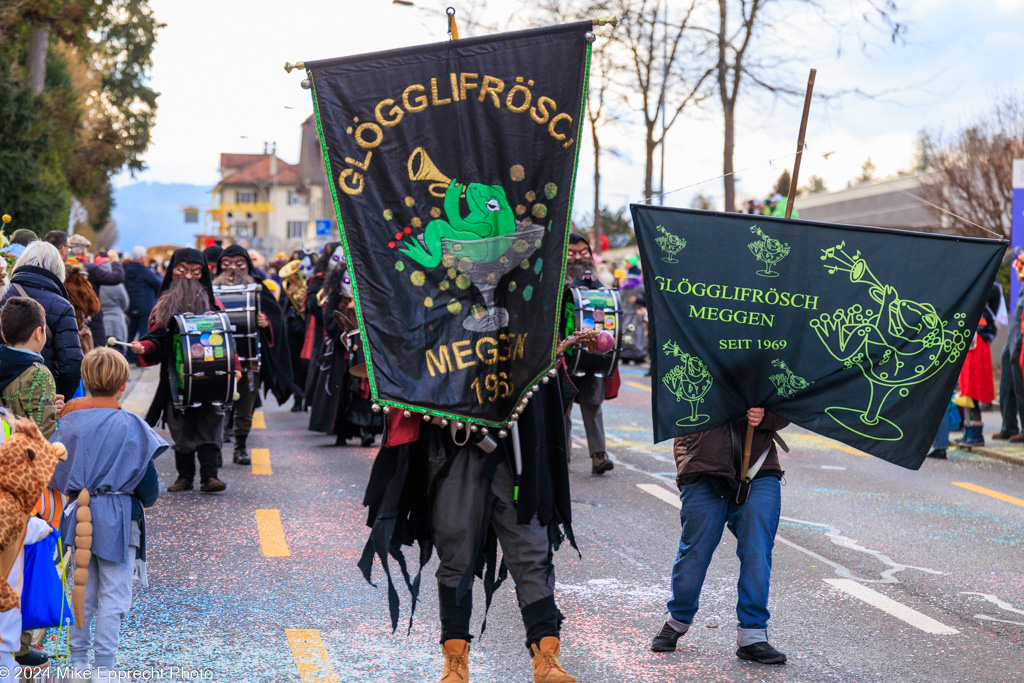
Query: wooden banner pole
{"x": 791, "y": 200}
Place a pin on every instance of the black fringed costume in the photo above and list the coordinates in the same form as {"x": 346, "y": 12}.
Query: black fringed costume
{"x": 401, "y": 497}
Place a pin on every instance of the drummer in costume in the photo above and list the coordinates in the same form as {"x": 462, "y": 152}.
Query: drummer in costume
{"x": 580, "y": 271}
{"x": 235, "y": 267}
{"x": 197, "y": 431}
{"x": 427, "y": 488}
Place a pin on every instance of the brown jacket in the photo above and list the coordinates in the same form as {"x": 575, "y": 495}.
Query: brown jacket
{"x": 712, "y": 451}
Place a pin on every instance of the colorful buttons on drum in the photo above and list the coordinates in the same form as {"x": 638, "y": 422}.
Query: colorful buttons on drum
{"x": 216, "y": 339}
{"x": 197, "y": 350}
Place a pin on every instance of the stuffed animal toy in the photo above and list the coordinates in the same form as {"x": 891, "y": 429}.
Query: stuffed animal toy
{"x": 27, "y": 461}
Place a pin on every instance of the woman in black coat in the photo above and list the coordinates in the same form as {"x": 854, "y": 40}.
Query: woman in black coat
{"x": 39, "y": 274}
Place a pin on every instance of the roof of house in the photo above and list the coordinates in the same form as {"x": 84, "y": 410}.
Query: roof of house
{"x": 238, "y": 161}
{"x": 258, "y": 171}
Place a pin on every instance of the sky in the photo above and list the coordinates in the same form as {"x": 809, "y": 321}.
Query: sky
{"x": 218, "y": 67}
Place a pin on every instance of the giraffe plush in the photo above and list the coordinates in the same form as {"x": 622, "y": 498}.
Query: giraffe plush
{"x": 27, "y": 461}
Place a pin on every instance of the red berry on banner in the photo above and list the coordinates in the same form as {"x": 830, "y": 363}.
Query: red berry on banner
{"x": 408, "y": 230}
{"x": 398, "y": 235}
{"x": 391, "y": 245}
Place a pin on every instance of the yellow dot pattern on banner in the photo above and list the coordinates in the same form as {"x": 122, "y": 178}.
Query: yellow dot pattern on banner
{"x": 216, "y": 339}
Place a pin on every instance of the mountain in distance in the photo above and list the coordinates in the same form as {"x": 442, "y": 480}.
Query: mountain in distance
{"x": 150, "y": 214}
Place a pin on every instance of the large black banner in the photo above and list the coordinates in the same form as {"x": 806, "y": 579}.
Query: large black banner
{"x": 855, "y": 333}
{"x": 452, "y": 169}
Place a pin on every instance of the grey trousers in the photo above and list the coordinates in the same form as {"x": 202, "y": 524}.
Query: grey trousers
{"x": 589, "y": 398}
{"x": 108, "y": 596}
{"x": 458, "y": 512}
{"x": 248, "y": 392}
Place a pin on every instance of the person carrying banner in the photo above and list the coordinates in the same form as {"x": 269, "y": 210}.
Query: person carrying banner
{"x": 707, "y": 473}
{"x": 235, "y": 267}
{"x": 197, "y": 431}
{"x": 460, "y": 494}
{"x": 593, "y": 389}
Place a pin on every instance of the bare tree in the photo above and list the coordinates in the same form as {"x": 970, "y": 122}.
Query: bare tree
{"x": 742, "y": 57}
{"x": 599, "y": 114}
{"x": 973, "y": 173}
{"x": 661, "y": 48}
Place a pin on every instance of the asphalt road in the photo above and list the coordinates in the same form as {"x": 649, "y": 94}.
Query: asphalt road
{"x": 880, "y": 574}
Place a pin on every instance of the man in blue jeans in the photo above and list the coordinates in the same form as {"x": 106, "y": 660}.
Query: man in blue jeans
{"x": 707, "y": 472}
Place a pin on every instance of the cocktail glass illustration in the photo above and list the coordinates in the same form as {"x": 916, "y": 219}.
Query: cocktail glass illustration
{"x": 768, "y": 251}
{"x": 689, "y": 381}
{"x": 670, "y": 244}
{"x": 896, "y": 345}
{"x": 485, "y": 262}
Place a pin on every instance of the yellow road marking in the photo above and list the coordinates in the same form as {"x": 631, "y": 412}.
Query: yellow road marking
{"x": 637, "y": 385}
{"x": 268, "y": 523}
{"x": 825, "y": 442}
{"x": 310, "y": 655}
{"x": 261, "y": 461}
{"x": 258, "y": 420}
{"x": 989, "y": 492}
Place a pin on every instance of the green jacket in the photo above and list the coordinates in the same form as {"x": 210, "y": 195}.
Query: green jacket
{"x": 32, "y": 394}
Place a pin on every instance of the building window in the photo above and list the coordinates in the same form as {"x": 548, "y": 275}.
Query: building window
{"x": 296, "y": 230}
{"x": 245, "y": 197}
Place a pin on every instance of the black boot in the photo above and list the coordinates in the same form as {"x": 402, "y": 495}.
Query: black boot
{"x": 241, "y": 456}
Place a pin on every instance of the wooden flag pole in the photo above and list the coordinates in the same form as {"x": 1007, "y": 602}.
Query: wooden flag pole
{"x": 790, "y": 201}
{"x": 800, "y": 145}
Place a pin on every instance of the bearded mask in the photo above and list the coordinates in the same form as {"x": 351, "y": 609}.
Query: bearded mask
{"x": 577, "y": 268}
{"x": 230, "y": 276}
{"x": 183, "y": 296}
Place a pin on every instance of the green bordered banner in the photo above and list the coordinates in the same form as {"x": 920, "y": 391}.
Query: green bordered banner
{"x": 855, "y": 333}
{"x": 452, "y": 168}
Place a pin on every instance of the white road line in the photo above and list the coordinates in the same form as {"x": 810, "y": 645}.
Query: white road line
{"x": 890, "y": 606}
{"x": 832, "y": 467}
{"x": 661, "y": 493}
{"x": 857, "y": 590}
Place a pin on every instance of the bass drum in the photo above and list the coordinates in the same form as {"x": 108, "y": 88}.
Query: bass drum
{"x": 203, "y": 371}
{"x": 593, "y": 309}
{"x": 242, "y": 304}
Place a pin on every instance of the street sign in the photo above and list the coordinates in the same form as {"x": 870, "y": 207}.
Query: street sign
{"x": 323, "y": 228}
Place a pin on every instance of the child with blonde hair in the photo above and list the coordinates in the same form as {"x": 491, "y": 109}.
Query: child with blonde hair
{"x": 110, "y": 454}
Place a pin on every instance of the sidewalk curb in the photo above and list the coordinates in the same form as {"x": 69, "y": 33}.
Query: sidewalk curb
{"x": 995, "y": 454}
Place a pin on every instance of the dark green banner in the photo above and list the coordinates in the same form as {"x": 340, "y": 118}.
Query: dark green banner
{"x": 855, "y": 333}
{"x": 452, "y": 169}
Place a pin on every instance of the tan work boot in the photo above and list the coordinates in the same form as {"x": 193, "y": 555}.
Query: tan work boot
{"x": 546, "y": 668}
{"x": 456, "y": 661}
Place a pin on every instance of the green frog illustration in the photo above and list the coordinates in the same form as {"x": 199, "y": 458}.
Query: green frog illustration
{"x": 489, "y": 216}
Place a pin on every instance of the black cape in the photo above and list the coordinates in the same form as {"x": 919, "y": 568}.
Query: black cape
{"x": 403, "y": 481}
{"x": 275, "y": 357}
